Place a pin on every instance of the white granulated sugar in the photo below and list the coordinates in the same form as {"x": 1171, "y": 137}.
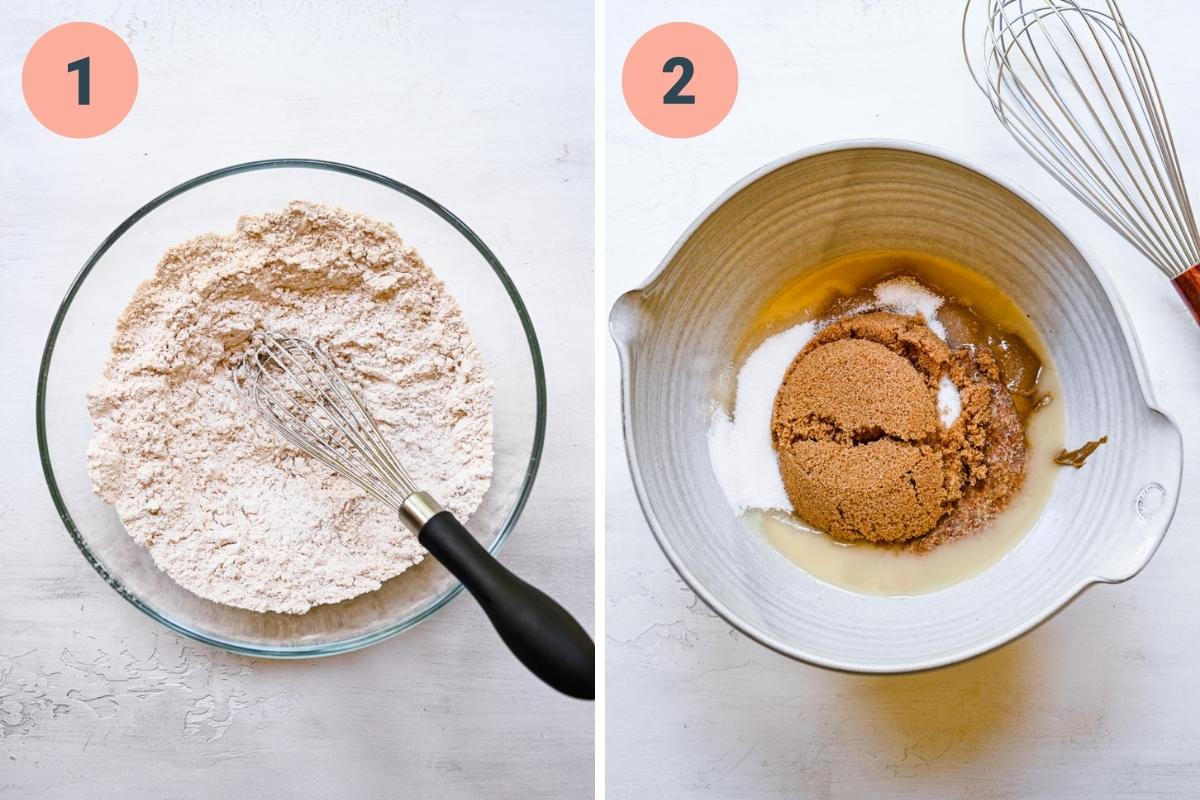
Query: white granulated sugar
{"x": 739, "y": 448}
{"x": 949, "y": 401}
{"x": 225, "y": 506}
{"x": 907, "y": 296}
{"x": 743, "y": 459}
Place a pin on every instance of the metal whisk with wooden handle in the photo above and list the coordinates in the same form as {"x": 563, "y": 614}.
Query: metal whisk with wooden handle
{"x": 1073, "y": 86}
{"x": 300, "y": 392}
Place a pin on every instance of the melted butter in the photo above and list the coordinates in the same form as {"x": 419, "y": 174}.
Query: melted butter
{"x": 976, "y": 312}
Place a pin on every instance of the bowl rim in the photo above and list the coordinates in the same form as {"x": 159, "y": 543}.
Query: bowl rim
{"x": 1107, "y": 286}
{"x": 297, "y": 651}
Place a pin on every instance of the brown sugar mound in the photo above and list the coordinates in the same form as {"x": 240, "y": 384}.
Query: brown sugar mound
{"x": 862, "y": 450}
{"x": 884, "y": 490}
{"x": 854, "y": 390}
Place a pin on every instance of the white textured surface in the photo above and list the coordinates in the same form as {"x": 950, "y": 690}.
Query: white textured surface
{"x": 96, "y": 700}
{"x": 1100, "y": 701}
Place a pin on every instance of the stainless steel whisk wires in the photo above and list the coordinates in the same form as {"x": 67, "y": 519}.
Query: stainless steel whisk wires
{"x": 1072, "y": 85}
{"x": 301, "y": 394}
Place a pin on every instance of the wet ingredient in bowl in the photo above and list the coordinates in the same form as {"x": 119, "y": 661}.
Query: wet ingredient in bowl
{"x": 226, "y": 508}
{"x": 960, "y": 308}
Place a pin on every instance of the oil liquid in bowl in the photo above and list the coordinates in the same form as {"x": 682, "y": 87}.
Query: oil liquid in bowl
{"x": 975, "y": 311}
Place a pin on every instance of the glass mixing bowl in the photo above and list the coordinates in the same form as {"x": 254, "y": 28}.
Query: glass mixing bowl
{"x": 78, "y": 347}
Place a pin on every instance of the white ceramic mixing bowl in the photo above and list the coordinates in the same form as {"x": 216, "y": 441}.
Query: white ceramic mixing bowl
{"x": 678, "y": 333}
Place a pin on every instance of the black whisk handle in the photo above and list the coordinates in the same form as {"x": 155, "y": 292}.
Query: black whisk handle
{"x": 540, "y": 633}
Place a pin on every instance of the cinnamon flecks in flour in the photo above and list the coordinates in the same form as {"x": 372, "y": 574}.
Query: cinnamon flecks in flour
{"x": 225, "y": 506}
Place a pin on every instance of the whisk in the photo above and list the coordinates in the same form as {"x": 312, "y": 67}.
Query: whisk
{"x": 1072, "y": 85}
{"x": 299, "y": 391}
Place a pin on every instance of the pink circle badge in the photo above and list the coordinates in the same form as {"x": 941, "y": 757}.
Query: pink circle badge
{"x": 680, "y": 80}
{"x": 79, "y": 79}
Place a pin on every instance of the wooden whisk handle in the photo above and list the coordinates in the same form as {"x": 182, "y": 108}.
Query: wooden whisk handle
{"x": 1188, "y": 286}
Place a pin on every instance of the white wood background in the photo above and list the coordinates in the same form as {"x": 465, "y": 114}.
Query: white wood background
{"x": 488, "y": 108}
{"x": 1101, "y": 702}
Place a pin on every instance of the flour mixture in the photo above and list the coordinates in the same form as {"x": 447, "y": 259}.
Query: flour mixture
{"x": 225, "y": 506}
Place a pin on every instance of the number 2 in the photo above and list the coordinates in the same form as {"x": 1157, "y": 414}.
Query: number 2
{"x": 84, "y": 67}
{"x": 673, "y": 96}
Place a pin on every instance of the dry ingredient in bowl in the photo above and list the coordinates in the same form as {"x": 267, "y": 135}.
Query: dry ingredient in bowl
{"x": 226, "y": 508}
{"x": 883, "y": 366}
{"x": 863, "y": 451}
{"x": 885, "y": 420}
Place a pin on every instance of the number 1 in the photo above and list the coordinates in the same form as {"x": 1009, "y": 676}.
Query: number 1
{"x": 84, "y": 67}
